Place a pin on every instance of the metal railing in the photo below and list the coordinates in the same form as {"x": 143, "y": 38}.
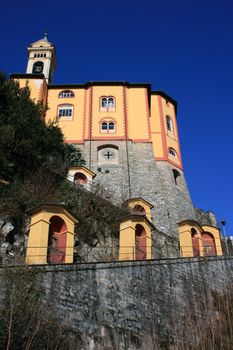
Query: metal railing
{"x": 84, "y": 253}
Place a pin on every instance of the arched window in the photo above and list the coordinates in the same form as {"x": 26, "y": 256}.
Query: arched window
{"x": 140, "y": 242}
{"x": 104, "y": 102}
{"x": 177, "y": 177}
{"x": 57, "y": 240}
{"x": 80, "y": 179}
{"x": 172, "y": 152}
{"x": 195, "y": 242}
{"x": 65, "y": 111}
{"x": 104, "y": 126}
{"x": 111, "y": 126}
{"x": 107, "y": 127}
{"x": 169, "y": 123}
{"x": 66, "y": 94}
{"x": 209, "y": 247}
{"x": 38, "y": 67}
{"x": 138, "y": 209}
{"x": 107, "y": 104}
{"x": 111, "y": 102}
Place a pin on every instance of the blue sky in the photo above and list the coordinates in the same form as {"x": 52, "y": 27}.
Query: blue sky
{"x": 184, "y": 48}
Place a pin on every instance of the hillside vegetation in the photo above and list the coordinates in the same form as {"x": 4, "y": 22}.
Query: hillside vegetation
{"x": 34, "y": 160}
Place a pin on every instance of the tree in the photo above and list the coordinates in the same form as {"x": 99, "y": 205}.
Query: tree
{"x": 33, "y": 156}
{"x": 73, "y": 156}
{"x": 26, "y": 142}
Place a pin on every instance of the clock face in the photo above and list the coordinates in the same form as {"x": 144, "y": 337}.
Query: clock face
{"x": 38, "y": 67}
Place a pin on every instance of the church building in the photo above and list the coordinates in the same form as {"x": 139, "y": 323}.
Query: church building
{"x": 128, "y": 135}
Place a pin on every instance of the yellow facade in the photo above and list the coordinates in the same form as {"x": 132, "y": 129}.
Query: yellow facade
{"x": 216, "y": 234}
{"x": 37, "y": 85}
{"x": 127, "y": 241}
{"x": 186, "y": 241}
{"x": 139, "y": 114}
{"x": 140, "y": 120}
{"x": 140, "y": 202}
{"x": 130, "y": 115}
{"x": 37, "y": 248}
{"x": 164, "y": 139}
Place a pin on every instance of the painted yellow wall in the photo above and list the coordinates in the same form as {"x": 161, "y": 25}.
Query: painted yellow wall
{"x": 72, "y": 128}
{"x": 128, "y": 238}
{"x": 38, "y": 88}
{"x": 137, "y": 201}
{"x": 97, "y": 115}
{"x": 127, "y": 241}
{"x": 162, "y": 138}
{"x": 131, "y": 113}
{"x": 132, "y": 116}
{"x": 137, "y": 113}
{"x": 38, "y": 235}
{"x": 215, "y": 232}
{"x": 185, "y": 236}
{"x": 156, "y": 128}
{"x": 186, "y": 245}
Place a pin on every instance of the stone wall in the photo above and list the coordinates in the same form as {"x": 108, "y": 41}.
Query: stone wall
{"x": 136, "y": 305}
{"x": 206, "y": 218}
{"x": 178, "y": 201}
{"x": 135, "y": 173}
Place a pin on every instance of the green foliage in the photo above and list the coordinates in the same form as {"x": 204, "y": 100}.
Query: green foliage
{"x": 26, "y": 141}
{"x": 96, "y": 214}
{"x": 34, "y": 160}
{"x": 73, "y": 156}
{"x": 33, "y": 156}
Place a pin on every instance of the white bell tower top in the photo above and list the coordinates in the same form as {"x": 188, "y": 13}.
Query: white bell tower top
{"x": 42, "y": 58}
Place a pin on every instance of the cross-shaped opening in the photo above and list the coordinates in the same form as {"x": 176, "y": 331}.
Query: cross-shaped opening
{"x": 108, "y": 155}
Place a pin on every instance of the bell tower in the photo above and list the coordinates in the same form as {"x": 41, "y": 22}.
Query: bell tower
{"x": 42, "y": 58}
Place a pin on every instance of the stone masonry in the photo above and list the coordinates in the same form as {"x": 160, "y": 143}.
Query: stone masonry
{"x": 136, "y": 173}
{"x": 126, "y": 305}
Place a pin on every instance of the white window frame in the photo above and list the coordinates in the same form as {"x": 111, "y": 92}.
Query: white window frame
{"x": 172, "y": 153}
{"x": 108, "y": 107}
{"x": 66, "y": 94}
{"x": 68, "y": 111}
{"x": 169, "y": 123}
{"x": 107, "y": 130}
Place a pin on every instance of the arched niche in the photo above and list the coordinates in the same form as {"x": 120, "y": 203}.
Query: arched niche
{"x": 209, "y": 247}
{"x": 139, "y": 209}
{"x": 195, "y": 242}
{"x": 214, "y": 234}
{"x": 80, "y": 175}
{"x": 190, "y": 239}
{"x": 51, "y": 235}
{"x": 140, "y": 242}
{"x": 140, "y": 206}
{"x": 57, "y": 240}
{"x": 135, "y": 237}
{"x": 80, "y": 178}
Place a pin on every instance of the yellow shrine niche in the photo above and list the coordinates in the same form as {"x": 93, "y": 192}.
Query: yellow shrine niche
{"x": 80, "y": 175}
{"x": 196, "y": 240}
{"x": 140, "y": 206}
{"x": 135, "y": 237}
{"x": 51, "y": 235}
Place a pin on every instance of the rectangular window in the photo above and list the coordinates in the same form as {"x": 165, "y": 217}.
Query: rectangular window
{"x": 65, "y": 111}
